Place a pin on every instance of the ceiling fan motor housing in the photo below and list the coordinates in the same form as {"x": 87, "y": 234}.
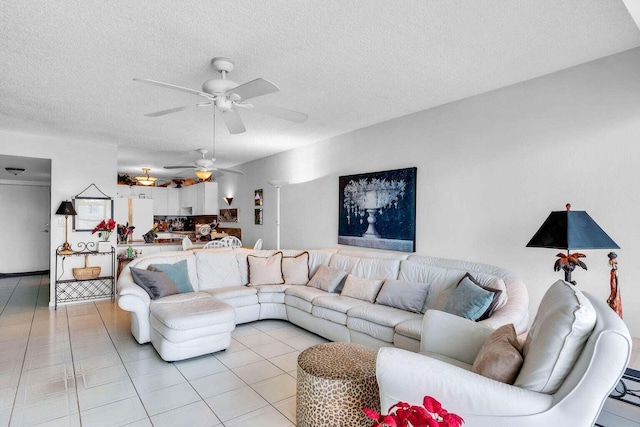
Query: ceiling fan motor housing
{"x": 218, "y": 86}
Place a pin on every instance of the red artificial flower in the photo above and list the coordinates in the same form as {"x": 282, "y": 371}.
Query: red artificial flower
{"x": 431, "y": 414}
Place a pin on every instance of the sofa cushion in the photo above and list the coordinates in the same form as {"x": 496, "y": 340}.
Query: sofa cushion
{"x": 382, "y": 315}
{"x": 271, "y": 293}
{"x": 237, "y": 296}
{"x": 156, "y": 283}
{"x": 410, "y": 328}
{"x": 564, "y": 321}
{"x": 499, "y": 357}
{"x": 265, "y": 270}
{"x": 295, "y": 269}
{"x": 378, "y": 321}
{"x": 468, "y": 300}
{"x": 360, "y": 288}
{"x": 327, "y": 278}
{"x": 177, "y": 272}
{"x": 377, "y": 268}
{"x": 192, "y": 318}
{"x": 301, "y": 297}
{"x": 403, "y": 295}
{"x": 217, "y": 269}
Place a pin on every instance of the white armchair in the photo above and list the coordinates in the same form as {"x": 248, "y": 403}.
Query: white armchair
{"x": 450, "y": 344}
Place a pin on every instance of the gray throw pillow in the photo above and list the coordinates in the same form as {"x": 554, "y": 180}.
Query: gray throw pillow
{"x": 328, "y": 279}
{"x": 156, "y": 283}
{"x": 178, "y": 273}
{"x": 407, "y": 296}
{"x": 468, "y": 300}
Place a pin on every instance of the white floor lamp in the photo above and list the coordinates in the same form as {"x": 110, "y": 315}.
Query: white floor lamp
{"x": 278, "y": 185}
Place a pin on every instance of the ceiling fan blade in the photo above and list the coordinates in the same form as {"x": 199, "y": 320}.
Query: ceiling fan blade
{"x": 279, "y": 112}
{"x": 165, "y": 112}
{"x": 174, "y": 87}
{"x": 233, "y": 121}
{"x": 257, "y": 87}
{"x": 179, "y": 167}
{"x": 228, "y": 170}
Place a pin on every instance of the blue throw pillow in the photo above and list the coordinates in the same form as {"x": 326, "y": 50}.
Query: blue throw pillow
{"x": 469, "y": 300}
{"x": 178, "y": 273}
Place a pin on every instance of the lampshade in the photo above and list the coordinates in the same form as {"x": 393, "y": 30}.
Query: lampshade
{"x": 146, "y": 179}
{"x": 202, "y": 174}
{"x": 571, "y": 230}
{"x": 66, "y": 208}
{"x": 228, "y": 200}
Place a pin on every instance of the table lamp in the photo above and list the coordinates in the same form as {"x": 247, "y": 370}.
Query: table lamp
{"x": 571, "y": 230}
{"x": 66, "y": 208}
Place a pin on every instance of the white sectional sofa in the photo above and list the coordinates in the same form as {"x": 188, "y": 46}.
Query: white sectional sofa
{"x": 224, "y": 275}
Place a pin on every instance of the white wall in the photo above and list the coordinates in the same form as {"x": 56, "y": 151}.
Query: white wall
{"x": 75, "y": 165}
{"x": 490, "y": 169}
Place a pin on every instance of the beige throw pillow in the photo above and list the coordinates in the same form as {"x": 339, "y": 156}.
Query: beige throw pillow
{"x": 295, "y": 269}
{"x": 265, "y": 271}
{"x": 500, "y": 358}
{"x": 326, "y": 278}
{"x": 360, "y": 288}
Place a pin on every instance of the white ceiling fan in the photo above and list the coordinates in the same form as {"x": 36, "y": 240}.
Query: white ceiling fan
{"x": 204, "y": 165}
{"x": 228, "y": 97}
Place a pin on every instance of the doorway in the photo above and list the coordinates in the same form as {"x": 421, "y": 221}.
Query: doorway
{"x": 25, "y": 215}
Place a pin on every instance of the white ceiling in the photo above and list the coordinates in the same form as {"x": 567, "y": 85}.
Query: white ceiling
{"x": 66, "y": 67}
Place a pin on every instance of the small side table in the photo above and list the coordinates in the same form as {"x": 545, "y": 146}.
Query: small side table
{"x": 122, "y": 262}
{"x": 335, "y": 382}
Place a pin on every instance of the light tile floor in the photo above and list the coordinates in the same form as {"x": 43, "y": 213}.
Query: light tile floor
{"x": 80, "y": 366}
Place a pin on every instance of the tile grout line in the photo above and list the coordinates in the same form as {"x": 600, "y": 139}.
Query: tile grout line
{"x": 104, "y": 323}
{"x": 24, "y": 356}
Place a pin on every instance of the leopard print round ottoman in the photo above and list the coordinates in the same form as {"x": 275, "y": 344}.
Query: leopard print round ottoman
{"x": 335, "y": 381}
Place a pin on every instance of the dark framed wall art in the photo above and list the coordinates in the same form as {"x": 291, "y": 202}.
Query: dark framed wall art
{"x": 378, "y": 210}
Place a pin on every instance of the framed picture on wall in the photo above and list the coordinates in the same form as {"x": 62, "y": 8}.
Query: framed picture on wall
{"x": 378, "y": 210}
{"x": 90, "y": 211}
{"x": 228, "y": 215}
{"x": 258, "y": 197}
{"x": 258, "y": 216}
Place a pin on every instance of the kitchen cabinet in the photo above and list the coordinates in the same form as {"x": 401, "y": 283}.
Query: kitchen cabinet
{"x": 199, "y": 199}
{"x": 173, "y": 201}
{"x": 159, "y": 196}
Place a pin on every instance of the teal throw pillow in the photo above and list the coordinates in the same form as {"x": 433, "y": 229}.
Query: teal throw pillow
{"x": 178, "y": 273}
{"x": 156, "y": 283}
{"x": 468, "y": 300}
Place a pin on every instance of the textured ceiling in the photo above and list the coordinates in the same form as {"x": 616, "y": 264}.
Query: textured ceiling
{"x": 66, "y": 67}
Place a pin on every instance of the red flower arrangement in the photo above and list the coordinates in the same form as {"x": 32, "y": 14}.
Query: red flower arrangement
{"x": 431, "y": 414}
{"x": 104, "y": 229}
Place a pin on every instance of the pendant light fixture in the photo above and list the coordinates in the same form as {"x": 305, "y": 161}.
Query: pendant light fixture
{"x": 146, "y": 179}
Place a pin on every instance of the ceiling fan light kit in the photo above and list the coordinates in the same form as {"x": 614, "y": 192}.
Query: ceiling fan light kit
{"x": 146, "y": 179}
{"x": 203, "y": 174}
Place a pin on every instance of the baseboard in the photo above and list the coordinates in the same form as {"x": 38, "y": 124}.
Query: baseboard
{"x": 26, "y": 273}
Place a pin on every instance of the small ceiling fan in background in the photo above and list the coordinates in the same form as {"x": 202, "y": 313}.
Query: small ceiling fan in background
{"x": 227, "y": 96}
{"x": 204, "y": 166}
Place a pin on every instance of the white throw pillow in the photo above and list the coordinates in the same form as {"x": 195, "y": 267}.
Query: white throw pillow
{"x": 265, "y": 271}
{"x": 326, "y": 278}
{"x": 562, "y": 325}
{"x": 295, "y": 269}
{"x": 360, "y": 288}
